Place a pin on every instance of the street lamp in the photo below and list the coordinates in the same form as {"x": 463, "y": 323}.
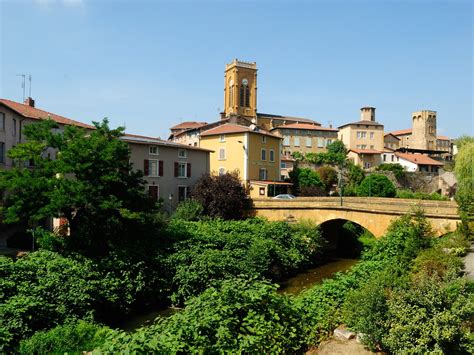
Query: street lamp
{"x": 340, "y": 182}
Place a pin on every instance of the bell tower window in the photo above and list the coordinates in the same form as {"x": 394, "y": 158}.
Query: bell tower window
{"x": 245, "y": 94}
{"x": 231, "y": 93}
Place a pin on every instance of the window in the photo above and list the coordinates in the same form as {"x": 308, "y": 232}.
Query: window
{"x": 366, "y": 165}
{"x": 153, "y": 168}
{"x": 308, "y": 141}
{"x": 371, "y": 147}
{"x": 371, "y": 135}
{"x": 384, "y": 157}
{"x": 262, "y": 174}
{"x": 154, "y": 192}
{"x": 286, "y": 140}
{"x": 222, "y": 138}
{"x": 2, "y": 121}
{"x": 329, "y": 141}
{"x": 283, "y": 165}
{"x": 182, "y": 193}
{"x": 182, "y": 170}
{"x": 221, "y": 171}
{"x": 297, "y": 141}
{"x": 231, "y": 93}
{"x": 320, "y": 142}
{"x": 222, "y": 154}
{"x": 261, "y": 191}
{"x": 264, "y": 154}
{"x": 264, "y": 139}
{"x": 393, "y": 157}
{"x": 363, "y": 146}
{"x": 272, "y": 155}
{"x": 182, "y": 153}
{"x": 361, "y": 135}
{"x": 14, "y": 128}
{"x": 2, "y": 152}
{"x": 153, "y": 150}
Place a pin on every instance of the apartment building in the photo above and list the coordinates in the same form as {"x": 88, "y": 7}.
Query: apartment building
{"x": 364, "y": 139}
{"x": 170, "y": 169}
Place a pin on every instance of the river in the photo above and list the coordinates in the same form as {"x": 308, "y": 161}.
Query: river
{"x": 291, "y": 286}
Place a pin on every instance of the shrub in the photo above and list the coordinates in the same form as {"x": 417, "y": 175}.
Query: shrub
{"x": 41, "y": 290}
{"x": 74, "y": 337}
{"x": 307, "y": 182}
{"x": 212, "y": 250}
{"x": 397, "y": 169}
{"x": 189, "y": 210}
{"x": 376, "y": 186}
{"x": 355, "y": 175}
{"x": 221, "y": 196}
{"x": 236, "y": 316}
{"x": 328, "y": 176}
{"x": 420, "y": 195}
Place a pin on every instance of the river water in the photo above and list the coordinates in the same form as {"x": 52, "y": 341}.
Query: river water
{"x": 291, "y": 286}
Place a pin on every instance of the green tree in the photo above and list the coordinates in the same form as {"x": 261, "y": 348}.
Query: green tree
{"x": 464, "y": 170}
{"x": 337, "y": 147}
{"x": 328, "y": 176}
{"x": 462, "y": 140}
{"x": 90, "y": 183}
{"x": 306, "y": 182}
{"x": 221, "y": 196}
{"x": 376, "y": 186}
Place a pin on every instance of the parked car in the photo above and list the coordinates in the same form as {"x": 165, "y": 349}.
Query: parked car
{"x": 284, "y": 197}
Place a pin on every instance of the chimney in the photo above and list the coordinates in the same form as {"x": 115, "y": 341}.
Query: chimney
{"x": 367, "y": 114}
{"x": 30, "y": 102}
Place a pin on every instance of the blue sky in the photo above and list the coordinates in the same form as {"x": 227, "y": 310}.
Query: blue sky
{"x": 153, "y": 64}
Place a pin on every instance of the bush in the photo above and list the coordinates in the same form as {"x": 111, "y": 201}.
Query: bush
{"x": 376, "y": 186}
{"x": 189, "y": 210}
{"x": 328, "y": 176}
{"x": 75, "y": 337}
{"x": 212, "y": 250}
{"x": 222, "y": 196}
{"x": 397, "y": 169}
{"x": 41, "y": 290}
{"x": 307, "y": 182}
{"x": 236, "y": 316}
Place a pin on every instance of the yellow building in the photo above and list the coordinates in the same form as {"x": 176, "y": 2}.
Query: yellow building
{"x": 253, "y": 152}
{"x": 364, "y": 139}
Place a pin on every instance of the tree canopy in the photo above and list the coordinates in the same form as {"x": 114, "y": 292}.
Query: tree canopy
{"x": 90, "y": 183}
{"x": 376, "y": 186}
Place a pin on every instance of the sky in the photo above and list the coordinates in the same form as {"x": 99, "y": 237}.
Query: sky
{"x": 149, "y": 65}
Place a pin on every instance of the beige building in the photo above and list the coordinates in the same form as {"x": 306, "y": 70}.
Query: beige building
{"x": 305, "y": 138}
{"x": 14, "y": 116}
{"x": 170, "y": 169}
{"x": 364, "y": 139}
{"x": 391, "y": 142}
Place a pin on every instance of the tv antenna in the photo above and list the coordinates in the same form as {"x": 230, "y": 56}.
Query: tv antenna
{"x": 23, "y": 84}
{"x": 29, "y": 91}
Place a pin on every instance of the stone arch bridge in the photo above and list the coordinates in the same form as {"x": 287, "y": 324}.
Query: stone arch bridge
{"x": 373, "y": 213}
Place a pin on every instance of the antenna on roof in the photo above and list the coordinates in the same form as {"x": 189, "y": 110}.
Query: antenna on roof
{"x": 29, "y": 79}
{"x": 23, "y": 84}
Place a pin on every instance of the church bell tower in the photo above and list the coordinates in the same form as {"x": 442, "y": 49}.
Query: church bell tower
{"x": 240, "y": 89}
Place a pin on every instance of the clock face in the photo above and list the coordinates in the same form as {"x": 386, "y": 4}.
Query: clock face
{"x": 245, "y": 82}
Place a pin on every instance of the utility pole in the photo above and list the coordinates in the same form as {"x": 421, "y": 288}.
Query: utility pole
{"x": 340, "y": 184}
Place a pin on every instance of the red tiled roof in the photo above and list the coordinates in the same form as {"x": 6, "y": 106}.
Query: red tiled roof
{"x": 402, "y": 132}
{"x": 37, "y": 114}
{"x": 137, "y": 139}
{"x": 307, "y": 126}
{"x": 365, "y": 151}
{"x": 418, "y": 158}
{"x": 188, "y": 125}
{"x": 230, "y": 128}
{"x": 391, "y": 134}
{"x": 287, "y": 118}
{"x": 443, "y": 138}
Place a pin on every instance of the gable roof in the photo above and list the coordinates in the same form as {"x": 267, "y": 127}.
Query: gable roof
{"x": 138, "y": 139}
{"x": 402, "y": 132}
{"x": 391, "y": 134}
{"x": 287, "y": 118}
{"x": 188, "y": 125}
{"x": 362, "y": 123}
{"x": 230, "y": 128}
{"x": 443, "y": 138}
{"x": 37, "y": 114}
{"x": 419, "y": 159}
{"x": 305, "y": 126}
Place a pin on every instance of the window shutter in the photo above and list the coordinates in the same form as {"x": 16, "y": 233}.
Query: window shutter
{"x": 146, "y": 167}
{"x": 160, "y": 168}
{"x": 176, "y": 169}
{"x": 189, "y": 170}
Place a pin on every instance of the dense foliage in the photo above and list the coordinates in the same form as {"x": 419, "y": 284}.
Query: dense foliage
{"x": 211, "y": 250}
{"x": 464, "y": 170}
{"x": 306, "y": 182}
{"x": 72, "y": 337}
{"x": 328, "y": 176}
{"x": 222, "y": 196}
{"x": 335, "y": 155}
{"x": 376, "y": 186}
{"x": 90, "y": 184}
{"x": 235, "y": 316}
{"x": 397, "y": 169}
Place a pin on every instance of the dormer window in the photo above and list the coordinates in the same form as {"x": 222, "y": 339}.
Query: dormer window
{"x": 182, "y": 153}
{"x": 153, "y": 150}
